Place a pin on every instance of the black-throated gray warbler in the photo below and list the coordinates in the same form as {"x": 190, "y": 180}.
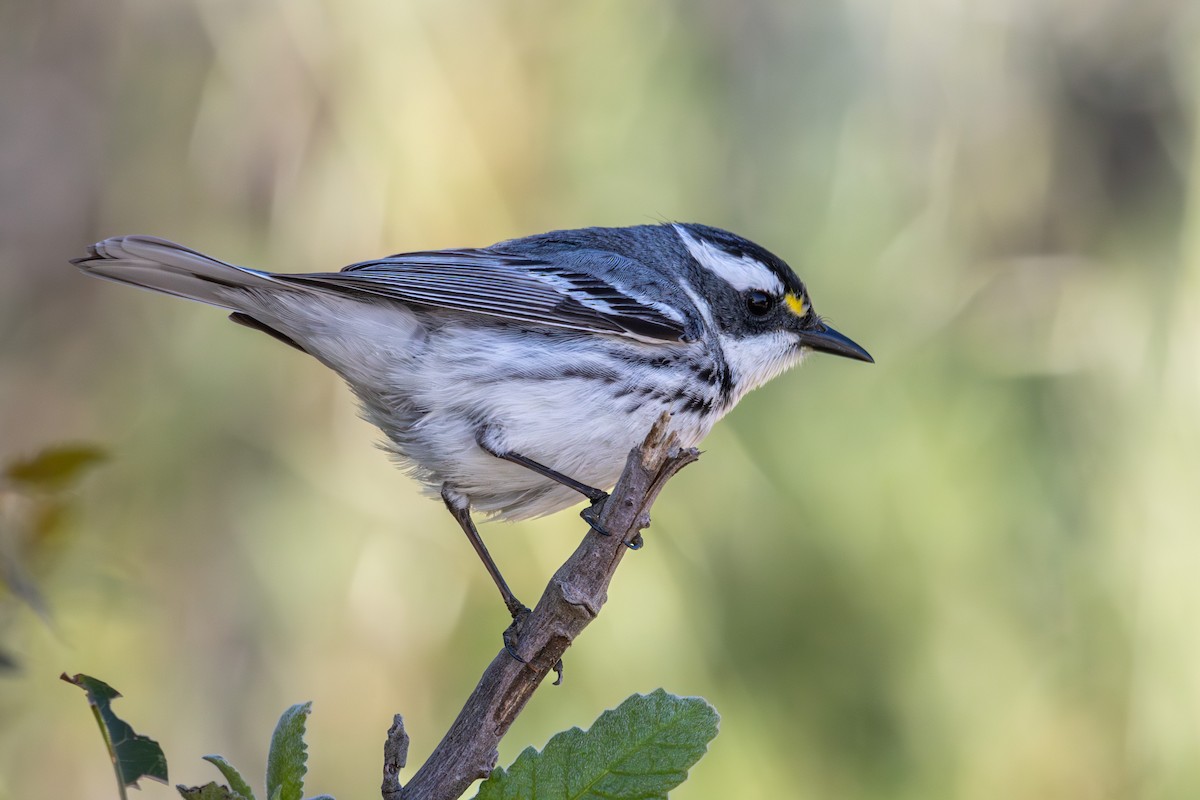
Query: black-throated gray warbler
{"x": 510, "y": 379}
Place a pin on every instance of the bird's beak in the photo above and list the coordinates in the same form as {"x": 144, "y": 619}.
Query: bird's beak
{"x": 824, "y": 339}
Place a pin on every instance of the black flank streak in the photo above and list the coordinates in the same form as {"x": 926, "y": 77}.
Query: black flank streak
{"x": 697, "y": 405}
{"x": 725, "y": 383}
{"x": 589, "y": 374}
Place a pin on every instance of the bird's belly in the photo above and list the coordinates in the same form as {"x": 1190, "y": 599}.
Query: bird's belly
{"x": 575, "y": 426}
{"x": 572, "y": 426}
{"x": 578, "y": 410}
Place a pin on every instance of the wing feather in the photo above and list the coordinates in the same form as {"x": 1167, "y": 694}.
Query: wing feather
{"x": 509, "y": 287}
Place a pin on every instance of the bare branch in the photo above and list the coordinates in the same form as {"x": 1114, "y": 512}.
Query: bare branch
{"x": 571, "y": 600}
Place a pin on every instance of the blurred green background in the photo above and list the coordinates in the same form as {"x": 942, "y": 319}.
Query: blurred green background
{"x": 969, "y": 571}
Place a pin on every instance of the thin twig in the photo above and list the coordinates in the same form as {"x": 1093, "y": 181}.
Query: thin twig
{"x": 395, "y": 756}
{"x": 571, "y": 600}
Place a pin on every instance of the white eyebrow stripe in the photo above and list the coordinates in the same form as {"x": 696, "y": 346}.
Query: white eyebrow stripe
{"x": 740, "y": 272}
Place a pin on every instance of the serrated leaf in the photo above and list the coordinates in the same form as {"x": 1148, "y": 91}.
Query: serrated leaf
{"x": 639, "y": 750}
{"x": 134, "y": 756}
{"x": 209, "y": 791}
{"x": 286, "y": 762}
{"x": 236, "y": 782}
{"x": 55, "y": 467}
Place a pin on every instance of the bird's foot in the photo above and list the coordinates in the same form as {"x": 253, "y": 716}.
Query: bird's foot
{"x": 591, "y": 515}
{"x": 512, "y": 634}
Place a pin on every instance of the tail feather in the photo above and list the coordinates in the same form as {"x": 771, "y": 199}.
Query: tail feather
{"x": 163, "y": 266}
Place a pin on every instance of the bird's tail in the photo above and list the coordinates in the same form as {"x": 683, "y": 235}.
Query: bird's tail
{"x": 163, "y": 266}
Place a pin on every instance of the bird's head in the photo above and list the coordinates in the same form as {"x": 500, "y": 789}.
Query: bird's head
{"x": 759, "y": 307}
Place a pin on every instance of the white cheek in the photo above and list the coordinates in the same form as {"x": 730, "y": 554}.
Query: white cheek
{"x": 755, "y": 360}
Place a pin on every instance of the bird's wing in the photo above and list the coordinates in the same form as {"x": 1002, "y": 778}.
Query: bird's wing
{"x": 509, "y": 287}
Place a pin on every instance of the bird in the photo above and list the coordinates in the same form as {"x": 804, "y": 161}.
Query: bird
{"x": 511, "y": 380}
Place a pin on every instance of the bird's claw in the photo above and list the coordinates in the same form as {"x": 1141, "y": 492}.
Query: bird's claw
{"x": 591, "y": 515}
{"x": 512, "y": 636}
{"x": 512, "y": 633}
{"x": 558, "y": 671}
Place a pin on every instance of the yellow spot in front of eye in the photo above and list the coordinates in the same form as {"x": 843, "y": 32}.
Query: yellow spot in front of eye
{"x": 796, "y": 304}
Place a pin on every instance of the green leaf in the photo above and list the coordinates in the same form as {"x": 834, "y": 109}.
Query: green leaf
{"x": 55, "y": 467}
{"x": 286, "y": 760}
{"x": 639, "y": 750}
{"x": 237, "y": 783}
{"x": 134, "y": 756}
{"x": 209, "y": 791}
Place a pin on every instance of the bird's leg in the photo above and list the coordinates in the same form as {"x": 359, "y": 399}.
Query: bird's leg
{"x": 590, "y": 515}
{"x": 590, "y": 492}
{"x": 460, "y": 509}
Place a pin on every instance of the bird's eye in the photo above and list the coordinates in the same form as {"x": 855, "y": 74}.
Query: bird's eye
{"x": 758, "y": 302}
